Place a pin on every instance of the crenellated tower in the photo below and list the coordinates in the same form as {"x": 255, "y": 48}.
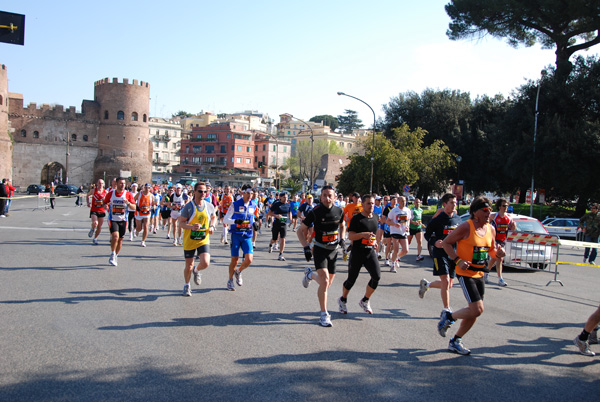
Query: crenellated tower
{"x": 6, "y": 147}
{"x": 123, "y": 136}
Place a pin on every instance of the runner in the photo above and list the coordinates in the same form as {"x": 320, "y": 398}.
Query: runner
{"x": 131, "y": 214}
{"x": 282, "y": 214}
{"x": 144, "y": 203}
{"x": 197, "y": 219}
{"x": 240, "y": 216}
{"x": 294, "y": 204}
{"x": 589, "y": 335}
{"x": 416, "y": 228}
{"x": 443, "y": 267}
{"x": 362, "y": 232}
{"x": 398, "y": 219}
{"x": 226, "y": 201}
{"x": 178, "y": 201}
{"x": 329, "y": 226}
{"x": 503, "y": 223}
{"x": 165, "y": 211}
{"x": 154, "y": 223}
{"x": 303, "y": 210}
{"x": 378, "y": 210}
{"x": 387, "y": 236}
{"x": 97, "y": 211}
{"x": 118, "y": 201}
{"x": 350, "y": 210}
{"x": 268, "y": 202}
{"x": 475, "y": 242}
{"x": 257, "y": 214}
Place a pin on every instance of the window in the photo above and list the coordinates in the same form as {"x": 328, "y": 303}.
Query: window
{"x": 284, "y": 149}
{"x": 199, "y": 136}
{"x": 210, "y": 149}
{"x": 85, "y": 138}
{"x": 263, "y": 159}
{"x": 238, "y": 160}
{"x": 273, "y": 161}
{"x": 134, "y": 116}
{"x": 293, "y": 140}
{"x": 209, "y": 159}
{"x": 232, "y": 159}
{"x": 157, "y": 132}
{"x": 240, "y": 148}
{"x": 73, "y": 137}
{"x": 248, "y": 149}
{"x": 248, "y": 161}
{"x": 274, "y": 148}
{"x": 187, "y": 149}
{"x": 223, "y": 149}
{"x": 23, "y": 133}
{"x": 36, "y": 134}
{"x": 156, "y": 144}
{"x": 197, "y": 171}
{"x": 228, "y": 137}
{"x": 106, "y": 115}
{"x": 120, "y": 115}
{"x": 255, "y": 148}
{"x": 173, "y": 146}
{"x": 233, "y": 148}
{"x": 264, "y": 148}
{"x": 211, "y": 136}
{"x": 255, "y": 159}
{"x": 144, "y": 118}
{"x": 197, "y": 148}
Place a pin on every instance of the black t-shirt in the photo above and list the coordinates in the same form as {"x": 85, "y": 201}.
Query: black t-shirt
{"x": 359, "y": 224}
{"x": 327, "y": 225}
{"x": 280, "y": 208}
{"x": 439, "y": 228}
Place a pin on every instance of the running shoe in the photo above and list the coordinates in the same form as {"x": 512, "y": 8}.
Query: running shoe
{"x": 342, "y": 305}
{"x": 238, "y": 277}
{"x": 270, "y": 248}
{"x": 226, "y": 242}
{"x": 135, "y": 234}
{"x": 393, "y": 267}
{"x": 420, "y": 258}
{"x": 379, "y": 257}
{"x": 326, "y": 320}
{"x": 387, "y": 262}
{"x": 502, "y": 283}
{"x": 175, "y": 242}
{"x": 130, "y": 236}
{"x": 186, "y": 290}
{"x": 458, "y": 347}
{"x": 143, "y": 244}
{"x": 281, "y": 257}
{"x": 486, "y": 278}
{"x": 197, "y": 278}
{"x": 180, "y": 241}
{"x": 307, "y": 277}
{"x": 276, "y": 246}
{"x": 230, "y": 285}
{"x": 254, "y": 245}
{"x": 168, "y": 236}
{"x": 584, "y": 260}
{"x": 444, "y": 323}
{"x": 423, "y": 287}
{"x": 91, "y": 232}
{"x": 154, "y": 232}
{"x": 593, "y": 339}
{"x": 95, "y": 241}
{"x": 222, "y": 239}
{"x": 366, "y": 305}
{"x": 113, "y": 260}
{"x": 584, "y": 347}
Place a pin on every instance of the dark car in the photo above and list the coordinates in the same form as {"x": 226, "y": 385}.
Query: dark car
{"x": 35, "y": 189}
{"x": 65, "y": 189}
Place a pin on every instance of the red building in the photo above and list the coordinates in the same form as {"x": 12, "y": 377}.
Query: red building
{"x": 219, "y": 147}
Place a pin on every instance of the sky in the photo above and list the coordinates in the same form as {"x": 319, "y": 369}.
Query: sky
{"x": 271, "y": 56}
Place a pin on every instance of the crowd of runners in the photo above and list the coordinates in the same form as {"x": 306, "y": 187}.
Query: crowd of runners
{"x": 378, "y": 229}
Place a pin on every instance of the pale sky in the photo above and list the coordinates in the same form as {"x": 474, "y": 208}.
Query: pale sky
{"x": 271, "y": 56}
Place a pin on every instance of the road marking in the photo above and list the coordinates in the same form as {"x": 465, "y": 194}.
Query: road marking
{"x": 46, "y": 229}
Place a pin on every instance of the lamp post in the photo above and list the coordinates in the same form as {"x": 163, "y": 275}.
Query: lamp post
{"x": 312, "y": 145}
{"x": 68, "y": 140}
{"x": 458, "y": 161}
{"x": 537, "y": 100}
{"x": 374, "y": 122}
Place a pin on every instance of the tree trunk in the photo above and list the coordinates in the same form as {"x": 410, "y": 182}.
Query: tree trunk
{"x": 581, "y": 206}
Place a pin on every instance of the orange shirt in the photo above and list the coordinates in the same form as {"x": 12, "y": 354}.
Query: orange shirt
{"x": 225, "y": 203}
{"x": 475, "y": 248}
{"x": 350, "y": 210}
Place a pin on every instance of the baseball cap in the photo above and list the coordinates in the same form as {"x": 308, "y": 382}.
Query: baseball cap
{"x": 378, "y": 198}
{"x": 355, "y": 195}
{"x": 134, "y": 185}
{"x": 178, "y": 185}
{"x": 309, "y": 196}
{"x": 148, "y": 185}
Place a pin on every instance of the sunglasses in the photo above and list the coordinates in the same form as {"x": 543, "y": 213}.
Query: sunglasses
{"x": 486, "y": 209}
{"x": 504, "y": 205}
{"x": 202, "y": 191}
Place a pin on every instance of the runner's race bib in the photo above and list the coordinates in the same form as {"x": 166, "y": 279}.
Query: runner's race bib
{"x": 369, "y": 243}
{"x": 329, "y": 237}
{"x": 198, "y": 234}
{"x": 245, "y": 225}
{"x": 480, "y": 255}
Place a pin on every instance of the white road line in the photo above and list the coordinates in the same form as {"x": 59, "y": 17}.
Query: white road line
{"x": 44, "y": 229}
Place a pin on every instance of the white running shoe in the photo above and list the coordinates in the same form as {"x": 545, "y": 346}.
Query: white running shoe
{"x": 342, "y": 306}
{"x": 112, "y": 260}
{"x": 91, "y": 232}
{"x": 180, "y": 241}
{"x": 186, "y": 290}
{"x": 502, "y": 283}
{"x": 238, "y": 277}
{"x": 387, "y": 262}
{"x": 230, "y": 285}
{"x": 366, "y": 306}
{"x": 325, "y": 320}
{"x": 197, "y": 277}
{"x": 423, "y": 287}
{"x": 168, "y": 236}
{"x": 130, "y": 236}
{"x": 175, "y": 242}
{"x": 95, "y": 241}
{"x": 143, "y": 244}
{"x": 307, "y": 277}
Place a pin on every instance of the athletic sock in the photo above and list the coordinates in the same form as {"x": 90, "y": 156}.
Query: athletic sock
{"x": 584, "y": 335}
{"x": 449, "y": 316}
{"x": 343, "y": 299}
{"x": 365, "y": 299}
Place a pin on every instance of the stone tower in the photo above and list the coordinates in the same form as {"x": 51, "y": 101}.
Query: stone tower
{"x": 6, "y": 152}
{"x": 123, "y": 136}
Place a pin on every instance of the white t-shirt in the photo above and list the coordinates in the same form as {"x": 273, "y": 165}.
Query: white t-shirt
{"x": 401, "y": 216}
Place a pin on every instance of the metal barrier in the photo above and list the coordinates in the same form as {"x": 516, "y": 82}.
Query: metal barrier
{"x": 43, "y": 201}
{"x": 533, "y": 252}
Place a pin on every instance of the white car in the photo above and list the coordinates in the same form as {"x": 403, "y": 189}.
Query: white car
{"x": 563, "y": 227}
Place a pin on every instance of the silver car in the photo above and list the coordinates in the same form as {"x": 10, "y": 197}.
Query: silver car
{"x": 562, "y": 227}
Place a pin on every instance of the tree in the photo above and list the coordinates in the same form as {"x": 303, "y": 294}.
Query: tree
{"x": 302, "y": 157}
{"x": 327, "y": 120}
{"x": 349, "y": 121}
{"x": 568, "y": 26}
{"x": 182, "y": 113}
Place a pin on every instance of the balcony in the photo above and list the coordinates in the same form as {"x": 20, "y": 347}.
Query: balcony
{"x": 160, "y": 161}
{"x": 203, "y": 139}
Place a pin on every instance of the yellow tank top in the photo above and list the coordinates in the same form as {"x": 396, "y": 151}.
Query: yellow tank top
{"x": 475, "y": 248}
{"x": 192, "y": 239}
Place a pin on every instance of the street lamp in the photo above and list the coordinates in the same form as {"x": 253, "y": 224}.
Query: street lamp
{"x": 458, "y": 161}
{"x": 537, "y": 99}
{"x": 312, "y": 145}
{"x": 374, "y": 122}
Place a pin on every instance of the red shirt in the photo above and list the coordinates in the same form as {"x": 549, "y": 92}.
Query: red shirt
{"x": 10, "y": 190}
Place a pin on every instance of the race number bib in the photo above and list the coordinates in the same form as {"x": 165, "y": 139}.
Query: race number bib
{"x": 198, "y": 234}
{"x": 330, "y": 237}
{"x": 245, "y": 225}
{"x": 480, "y": 255}
{"x": 369, "y": 243}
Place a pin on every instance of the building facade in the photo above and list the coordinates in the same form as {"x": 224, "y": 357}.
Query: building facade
{"x": 270, "y": 155}
{"x": 165, "y": 136}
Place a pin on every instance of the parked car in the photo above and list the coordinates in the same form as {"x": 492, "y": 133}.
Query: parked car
{"x": 563, "y": 227}
{"x": 35, "y": 189}
{"x": 65, "y": 189}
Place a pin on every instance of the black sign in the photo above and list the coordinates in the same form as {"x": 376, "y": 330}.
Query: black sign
{"x": 12, "y": 28}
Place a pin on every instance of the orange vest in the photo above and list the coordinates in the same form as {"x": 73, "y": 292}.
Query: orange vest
{"x": 145, "y": 204}
{"x": 475, "y": 248}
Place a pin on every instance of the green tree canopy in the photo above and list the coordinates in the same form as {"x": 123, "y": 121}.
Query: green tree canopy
{"x": 182, "y": 113}
{"x": 567, "y": 26}
{"x": 349, "y": 121}
{"x": 327, "y": 120}
{"x": 300, "y": 163}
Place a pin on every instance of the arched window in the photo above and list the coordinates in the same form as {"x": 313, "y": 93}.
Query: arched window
{"x": 36, "y": 134}
{"x": 0, "y": 99}
{"x": 73, "y": 137}
{"x": 106, "y": 115}
{"x": 23, "y": 133}
{"x": 85, "y": 138}
{"x": 144, "y": 118}
{"x": 134, "y": 116}
{"x": 120, "y": 115}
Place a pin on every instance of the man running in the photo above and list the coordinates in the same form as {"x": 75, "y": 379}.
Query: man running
{"x": 398, "y": 219}
{"x": 329, "y": 227}
{"x": 589, "y": 334}
{"x": 416, "y": 228}
{"x": 144, "y": 203}
{"x": 97, "y": 211}
{"x": 131, "y": 214}
{"x": 294, "y": 205}
{"x": 178, "y": 201}
{"x": 475, "y": 243}
{"x": 226, "y": 201}
{"x": 443, "y": 267}
{"x": 240, "y": 216}
{"x": 362, "y": 232}
{"x": 282, "y": 214}
{"x": 503, "y": 223}
{"x": 387, "y": 236}
{"x": 118, "y": 201}
{"x": 304, "y": 210}
{"x": 197, "y": 220}
{"x": 154, "y": 222}
{"x": 165, "y": 211}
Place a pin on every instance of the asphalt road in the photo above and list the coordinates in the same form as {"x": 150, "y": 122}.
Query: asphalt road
{"x": 75, "y": 328}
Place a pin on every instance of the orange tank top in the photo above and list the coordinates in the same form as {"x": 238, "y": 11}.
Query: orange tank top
{"x": 475, "y": 248}
{"x": 145, "y": 204}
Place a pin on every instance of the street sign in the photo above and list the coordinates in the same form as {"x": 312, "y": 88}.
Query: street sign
{"x": 406, "y": 189}
{"x": 315, "y": 186}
